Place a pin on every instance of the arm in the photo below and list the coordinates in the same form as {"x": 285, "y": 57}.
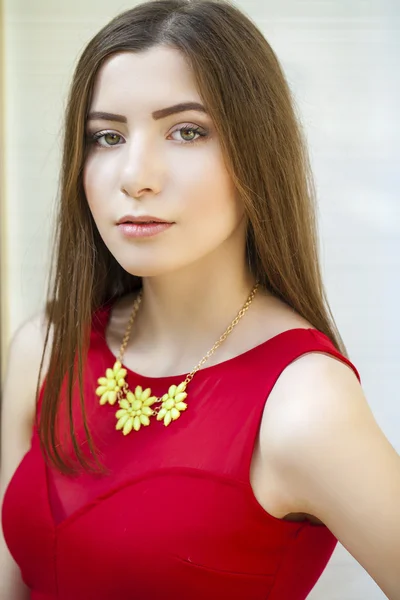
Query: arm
{"x": 17, "y": 418}
{"x": 334, "y": 462}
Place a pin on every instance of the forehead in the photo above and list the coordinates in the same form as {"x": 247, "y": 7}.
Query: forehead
{"x": 146, "y": 77}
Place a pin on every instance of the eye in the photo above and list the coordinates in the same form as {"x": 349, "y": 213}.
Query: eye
{"x": 108, "y": 137}
{"x": 190, "y": 133}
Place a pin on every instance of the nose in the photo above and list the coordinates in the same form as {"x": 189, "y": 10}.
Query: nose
{"x": 142, "y": 169}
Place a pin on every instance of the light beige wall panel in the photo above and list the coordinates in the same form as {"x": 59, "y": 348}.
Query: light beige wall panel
{"x": 3, "y": 224}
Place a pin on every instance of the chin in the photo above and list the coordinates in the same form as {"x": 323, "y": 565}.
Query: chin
{"x": 142, "y": 272}
{"x": 155, "y": 263}
{"x": 146, "y": 270}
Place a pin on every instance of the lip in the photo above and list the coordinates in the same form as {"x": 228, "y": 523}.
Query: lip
{"x": 143, "y": 230}
{"x": 140, "y": 219}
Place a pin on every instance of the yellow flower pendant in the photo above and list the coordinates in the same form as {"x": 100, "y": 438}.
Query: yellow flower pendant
{"x": 135, "y": 410}
{"x": 111, "y": 384}
{"x": 134, "y": 407}
{"x": 172, "y": 404}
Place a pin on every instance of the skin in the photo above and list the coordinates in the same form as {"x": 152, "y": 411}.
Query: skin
{"x": 334, "y": 465}
{"x": 155, "y": 169}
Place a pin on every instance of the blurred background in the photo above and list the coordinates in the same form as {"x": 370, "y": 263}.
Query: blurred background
{"x": 342, "y": 61}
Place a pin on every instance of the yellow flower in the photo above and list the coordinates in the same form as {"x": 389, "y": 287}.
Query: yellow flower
{"x": 172, "y": 404}
{"x": 111, "y": 384}
{"x": 135, "y": 410}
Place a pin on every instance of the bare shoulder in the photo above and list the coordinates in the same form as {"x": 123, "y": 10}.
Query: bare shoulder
{"x": 308, "y": 388}
{"x": 23, "y": 363}
{"x": 26, "y": 347}
{"x": 312, "y": 395}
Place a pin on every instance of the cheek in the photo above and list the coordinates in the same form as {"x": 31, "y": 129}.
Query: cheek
{"x": 210, "y": 219}
{"x": 94, "y": 185}
{"x": 89, "y": 180}
{"x": 206, "y": 187}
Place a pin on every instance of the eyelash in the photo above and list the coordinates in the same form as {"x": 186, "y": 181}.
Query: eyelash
{"x": 95, "y": 137}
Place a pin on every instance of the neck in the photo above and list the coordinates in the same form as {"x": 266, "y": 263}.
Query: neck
{"x": 174, "y": 311}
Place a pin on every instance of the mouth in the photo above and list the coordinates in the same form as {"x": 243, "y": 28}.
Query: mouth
{"x": 142, "y": 229}
{"x": 145, "y": 220}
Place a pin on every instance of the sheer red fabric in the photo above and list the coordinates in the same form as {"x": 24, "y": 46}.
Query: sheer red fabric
{"x": 175, "y": 516}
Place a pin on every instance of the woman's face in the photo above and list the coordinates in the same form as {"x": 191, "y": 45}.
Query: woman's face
{"x": 146, "y": 160}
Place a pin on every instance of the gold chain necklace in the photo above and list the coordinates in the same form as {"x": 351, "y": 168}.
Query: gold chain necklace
{"x": 135, "y": 408}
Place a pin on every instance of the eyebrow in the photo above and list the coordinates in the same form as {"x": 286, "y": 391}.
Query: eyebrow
{"x": 158, "y": 114}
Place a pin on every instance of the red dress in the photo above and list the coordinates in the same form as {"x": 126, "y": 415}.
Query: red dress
{"x": 175, "y": 517}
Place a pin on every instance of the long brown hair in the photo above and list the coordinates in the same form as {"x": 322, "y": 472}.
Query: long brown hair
{"x": 245, "y": 92}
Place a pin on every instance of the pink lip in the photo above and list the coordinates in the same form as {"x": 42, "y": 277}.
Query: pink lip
{"x": 139, "y": 219}
{"x": 136, "y": 230}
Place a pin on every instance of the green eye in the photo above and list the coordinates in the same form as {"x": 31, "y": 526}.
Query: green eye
{"x": 187, "y": 132}
{"x": 105, "y": 139}
{"x": 111, "y": 139}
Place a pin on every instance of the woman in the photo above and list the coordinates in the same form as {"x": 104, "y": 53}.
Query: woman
{"x": 199, "y": 431}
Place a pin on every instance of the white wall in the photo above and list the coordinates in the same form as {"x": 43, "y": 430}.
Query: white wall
{"x": 342, "y": 61}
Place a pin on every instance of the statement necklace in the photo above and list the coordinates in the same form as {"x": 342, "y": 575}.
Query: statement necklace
{"x": 136, "y": 408}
